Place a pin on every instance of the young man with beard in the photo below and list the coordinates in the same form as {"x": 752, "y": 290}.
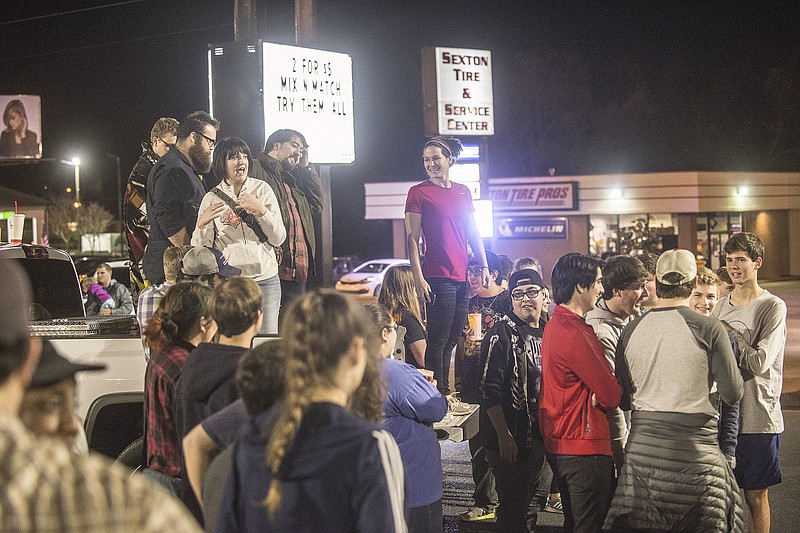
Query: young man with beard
{"x": 578, "y": 388}
{"x": 756, "y": 319}
{"x": 624, "y": 279}
{"x": 175, "y": 189}
{"x": 285, "y": 167}
{"x": 511, "y": 376}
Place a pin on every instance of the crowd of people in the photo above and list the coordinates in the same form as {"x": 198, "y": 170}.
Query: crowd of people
{"x": 644, "y": 397}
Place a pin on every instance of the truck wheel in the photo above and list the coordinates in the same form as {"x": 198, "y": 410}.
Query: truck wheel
{"x": 131, "y": 456}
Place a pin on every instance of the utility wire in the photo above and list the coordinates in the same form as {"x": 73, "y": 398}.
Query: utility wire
{"x": 71, "y": 12}
{"x": 113, "y": 43}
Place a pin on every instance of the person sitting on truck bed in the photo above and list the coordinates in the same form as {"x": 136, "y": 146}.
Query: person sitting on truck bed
{"x": 48, "y": 407}
{"x": 45, "y": 487}
{"x": 117, "y": 291}
{"x": 207, "y": 384}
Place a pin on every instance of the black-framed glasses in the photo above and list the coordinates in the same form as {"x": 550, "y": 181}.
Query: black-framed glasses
{"x": 475, "y": 271}
{"x": 530, "y": 293}
{"x": 165, "y": 143}
{"x": 211, "y": 142}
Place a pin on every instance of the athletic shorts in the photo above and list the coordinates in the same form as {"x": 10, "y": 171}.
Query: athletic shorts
{"x": 758, "y": 463}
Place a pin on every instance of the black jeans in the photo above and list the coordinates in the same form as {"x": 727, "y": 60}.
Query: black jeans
{"x": 426, "y": 518}
{"x": 485, "y": 494}
{"x": 587, "y": 486}
{"x": 290, "y": 291}
{"x": 446, "y": 320}
{"x": 516, "y": 484}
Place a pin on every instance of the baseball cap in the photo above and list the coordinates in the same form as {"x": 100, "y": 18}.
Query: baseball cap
{"x": 492, "y": 261}
{"x": 16, "y": 290}
{"x": 526, "y": 276}
{"x": 202, "y": 260}
{"x": 676, "y": 267}
{"x": 53, "y": 367}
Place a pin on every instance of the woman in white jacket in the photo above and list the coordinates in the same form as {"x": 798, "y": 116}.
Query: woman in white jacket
{"x": 222, "y": 223}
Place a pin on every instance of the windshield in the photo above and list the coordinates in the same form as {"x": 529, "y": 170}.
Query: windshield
{"x": 371, "y": 268}
{"x": 56, "y": 293}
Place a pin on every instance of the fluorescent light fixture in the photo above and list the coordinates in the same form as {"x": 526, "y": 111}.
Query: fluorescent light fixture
{"x": 484, "y": 218}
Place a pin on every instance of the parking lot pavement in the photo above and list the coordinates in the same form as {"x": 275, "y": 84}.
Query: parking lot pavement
{"x": 458, "y": 494}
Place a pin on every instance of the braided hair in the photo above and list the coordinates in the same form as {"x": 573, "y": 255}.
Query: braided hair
{"x": 318, "y": 331}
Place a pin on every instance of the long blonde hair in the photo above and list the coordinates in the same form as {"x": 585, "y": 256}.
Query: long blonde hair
{"x": 398, "y": 293}
{"x": 318, "y": 330}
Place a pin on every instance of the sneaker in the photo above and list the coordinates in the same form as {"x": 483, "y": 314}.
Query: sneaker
{"x": 477, "y": 514}
{"x": 457, "y": 407}
{"x": 554, "y": 506}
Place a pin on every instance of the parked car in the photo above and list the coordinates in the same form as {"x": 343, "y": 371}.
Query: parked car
{"x": 365, "y": 281}
{"x": 344, "y": 264}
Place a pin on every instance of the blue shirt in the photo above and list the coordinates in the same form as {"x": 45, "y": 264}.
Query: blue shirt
{"x": 412, "y": 406}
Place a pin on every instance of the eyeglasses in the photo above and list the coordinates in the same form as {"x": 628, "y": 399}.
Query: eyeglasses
{"x": 530, "y": 293}
{"x": 211, "y": 142}
{"x": 475, "y": 271}
{"x": 169, "y": 145}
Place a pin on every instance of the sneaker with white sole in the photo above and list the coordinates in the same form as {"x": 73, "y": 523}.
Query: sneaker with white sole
{"x": 477, "y": 514}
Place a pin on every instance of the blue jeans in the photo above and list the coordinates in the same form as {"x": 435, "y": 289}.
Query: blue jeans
{"x": 446, "y": 320}
{"x": 426, "y": 518}
{"x": 270, "y": 305}
{"x": 171, "y": 484}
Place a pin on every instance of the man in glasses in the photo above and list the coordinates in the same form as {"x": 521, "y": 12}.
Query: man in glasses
{"x": 624, "y": 290}
{"x": 285, "y": 166}
{"x": 175, "y": 189}
{"x": 512, "y": 369}
{"x": 137, "y": 228}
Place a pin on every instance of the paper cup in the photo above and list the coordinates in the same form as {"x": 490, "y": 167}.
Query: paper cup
{"x": 15, "y": 225}
{"x": 475, "y": 332}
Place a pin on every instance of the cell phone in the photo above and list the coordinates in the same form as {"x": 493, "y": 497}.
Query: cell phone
{"x": 433, "y": 298}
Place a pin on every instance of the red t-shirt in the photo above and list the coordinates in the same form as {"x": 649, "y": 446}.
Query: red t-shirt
{"x": 444, "y": 224}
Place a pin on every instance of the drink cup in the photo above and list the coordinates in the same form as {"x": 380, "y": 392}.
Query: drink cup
{"x": 475, "y": 332}
{"x": 15, "y": 224}
{"x": 427, "y": 373}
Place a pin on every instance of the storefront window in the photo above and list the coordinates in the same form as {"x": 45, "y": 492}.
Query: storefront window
{"x": 713, "y": 231}
{"x": 632, "y": 234}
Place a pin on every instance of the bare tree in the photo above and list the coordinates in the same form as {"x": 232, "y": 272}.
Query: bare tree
{"x": 62, "y": 221}
{"x": 93, "y": 219}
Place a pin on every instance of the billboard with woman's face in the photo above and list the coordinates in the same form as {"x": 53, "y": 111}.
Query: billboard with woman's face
{"x": 22, "y": 127}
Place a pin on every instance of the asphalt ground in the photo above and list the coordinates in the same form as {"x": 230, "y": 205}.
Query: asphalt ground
{"x": 783, "y": 497}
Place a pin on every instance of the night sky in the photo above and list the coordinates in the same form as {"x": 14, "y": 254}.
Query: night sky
{"x": 582, "y": 87}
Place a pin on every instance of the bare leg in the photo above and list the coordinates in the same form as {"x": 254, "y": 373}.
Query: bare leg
{"x": 758, "y": 503}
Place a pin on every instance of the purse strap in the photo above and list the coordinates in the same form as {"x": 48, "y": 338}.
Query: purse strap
{"x": 249, "y": 220}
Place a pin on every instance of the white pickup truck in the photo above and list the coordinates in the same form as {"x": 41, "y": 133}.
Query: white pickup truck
{"x": 109, "y": 401}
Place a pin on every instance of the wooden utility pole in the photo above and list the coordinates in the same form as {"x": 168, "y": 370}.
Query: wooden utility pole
{"x": 304, "y": 23}
{"x": 244, "y": 21}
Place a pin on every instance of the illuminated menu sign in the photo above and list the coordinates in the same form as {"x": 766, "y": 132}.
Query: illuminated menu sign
{"x": 464, "y": 97}
{"x": 311, "y": 91}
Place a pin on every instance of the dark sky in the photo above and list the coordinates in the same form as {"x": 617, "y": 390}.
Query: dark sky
{"x": 627, "y": 84}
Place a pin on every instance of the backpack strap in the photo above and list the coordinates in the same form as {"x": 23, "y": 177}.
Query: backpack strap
{"x": 247, "y": 218}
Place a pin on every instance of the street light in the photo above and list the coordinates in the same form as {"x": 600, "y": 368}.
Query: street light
{"x": 115, "y": 157}
{"x": 76, "y": 163}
